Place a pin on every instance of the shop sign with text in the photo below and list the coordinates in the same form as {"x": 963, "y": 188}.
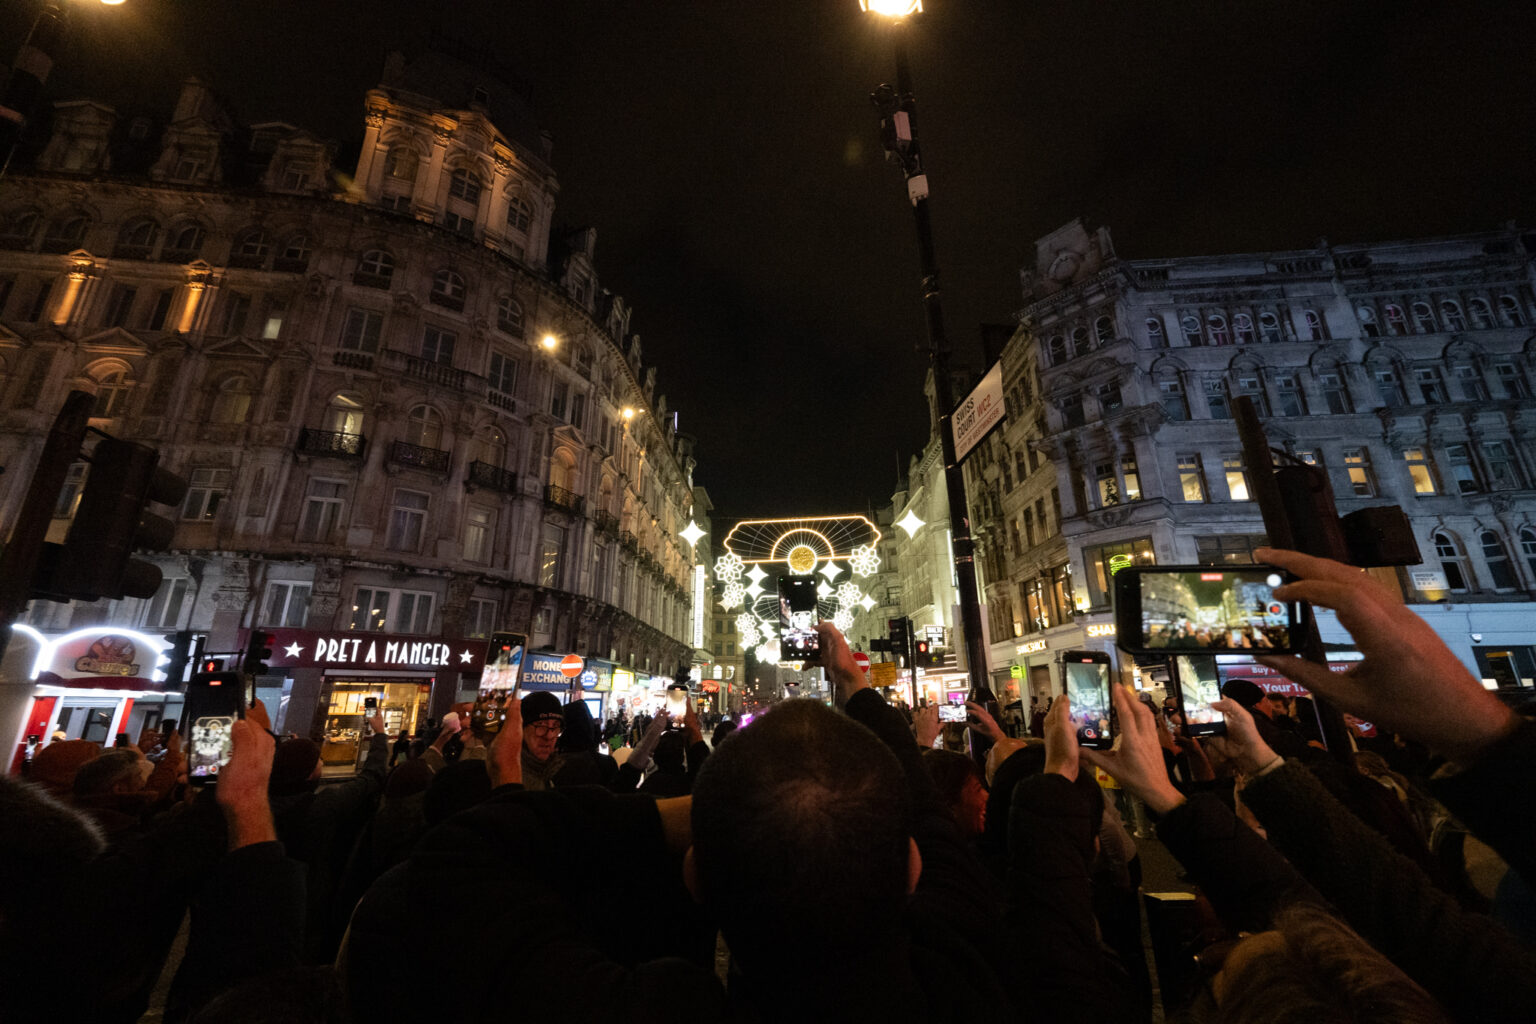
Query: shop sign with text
{"x": 295, "y": 648}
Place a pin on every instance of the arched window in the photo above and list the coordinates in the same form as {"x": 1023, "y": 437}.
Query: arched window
{"x": 1500, "y": 569}
{"x": 519, "y": 214}
{"x": 375, "y": 269}
{"x": 1269, "y": 327}
{"x": 509, "y": 315}
{"x": 1450, "y": 312}
{"x": 1453, "y": 562}
{"x": 1423, "y": 318}
{"x": 1397, "y": 322}
{"x": 1154, "y": 330}
{"x": 1314, "y": 325}
{"x": 66, "y": 232}
{"x": 1080, "y": 344}
{"x": 1104, "y": 331}
{"x": 112, "y": 390}
{"x": 1368, "y": 325}
{"x": 1190, "y": 325}
{"x": 1058, "y": 350}
{"x": 492, "y": 449}
{"x": 583, "y": 358}
{"x": 1216, "y": 325}
{"x": 1242, "y": 325}
{"x": 1509, "y": 311}
{"x": 465, "y": 185}
{"x": 1482, "y": 315}
{"x": 1528, "y": 548}
{"x": 344, "y": 413}
{"x": 294, "y": 255}
{"x": 250, "y": 248}
{"x": 403, "y": 162}
{"x": 424, "y": 427}
{"x": 183, "y": 244}
{"x": 448, "y": 290}
{"x": 232, "y": 402}
{"x": 18, "y": 230}
{"x": 562, "y": 470}
{"x": 136, "y": 241}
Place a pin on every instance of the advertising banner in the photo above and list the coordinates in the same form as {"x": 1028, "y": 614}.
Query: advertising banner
{"x": 981, "y": 410}
{"x": 541, "y": 671}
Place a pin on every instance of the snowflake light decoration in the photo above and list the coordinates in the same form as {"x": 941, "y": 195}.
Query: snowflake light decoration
{"x": 731, "y": 594}
{"x": 746, "y": 627}
{"x": 849, "y": 595}
{"x": 843, "y": 620}
{"x": 768, "y": 654}
{"x": 865, "y": 560}
{"x": 729, "y": 567}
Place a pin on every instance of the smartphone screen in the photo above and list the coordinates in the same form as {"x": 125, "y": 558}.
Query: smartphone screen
{"x": 1199, "y": 688}
{"x": 1205, "y": 608}
{"x": 953, "y": 712}
{"x": 797, "y": 618}
{"x": 213, "y": 707}
{"x": 1086, "y": 675}
{"x": 503, "y": 661}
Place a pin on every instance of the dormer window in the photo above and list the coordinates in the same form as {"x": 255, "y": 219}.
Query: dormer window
{"x": 295, "y": 177}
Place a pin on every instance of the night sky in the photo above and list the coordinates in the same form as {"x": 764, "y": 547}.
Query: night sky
{"x": 727, "y": 154}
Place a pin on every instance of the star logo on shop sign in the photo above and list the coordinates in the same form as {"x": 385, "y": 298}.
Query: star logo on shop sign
{"x": 466, "y": 658}
{"x": 293, "y": 651}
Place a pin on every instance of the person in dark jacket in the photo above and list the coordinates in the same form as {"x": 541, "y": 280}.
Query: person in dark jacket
{"x": 578, "y": 745}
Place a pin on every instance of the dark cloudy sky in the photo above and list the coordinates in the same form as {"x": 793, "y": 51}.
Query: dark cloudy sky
{"x": 727, "y": 154}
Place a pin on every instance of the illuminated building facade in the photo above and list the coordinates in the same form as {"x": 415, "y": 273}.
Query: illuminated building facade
{"x": 1404, "y": 370}
{"x": 405, "y": 406}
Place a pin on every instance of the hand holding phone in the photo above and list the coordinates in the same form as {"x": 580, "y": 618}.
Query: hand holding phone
{"x": 1199, "y": 687}
{"x": 1085, "y": 678}
{"x": 952, "y": 713}
{"x": 214, "y": 705}
{"x": 798, "y": 639}
{"x": 1205, "y": 609}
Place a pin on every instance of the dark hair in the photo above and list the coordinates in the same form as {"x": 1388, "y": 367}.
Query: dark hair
{"x": 949, "y": 769}
{"x": 670, "y": 750}
{"x": 1326, "y": 974}
{"x": 800, "y": 835}
{"x": 98, "y": 776}
{"x": 456, "y": 787}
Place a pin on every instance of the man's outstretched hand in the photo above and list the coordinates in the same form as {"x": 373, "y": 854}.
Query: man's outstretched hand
{"x": 1408, "y": 681}
{"x": 837, "y": 659}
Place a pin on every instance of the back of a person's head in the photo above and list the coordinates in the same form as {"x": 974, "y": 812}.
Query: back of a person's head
{"x": 1327, "y": 974}
{"x": 55, "y": 765}
{"x": 722, "y": 730}
{"x": 949, "y": 769}
{"x": 44, "y": 841}
{"x": 455, "y": 788}
{"x": 800, "y": 835}
{"x": 293, "y": 765}
{"x": 579, "y": 732}
{"x": 107, "y": 772}
{"x": 671, "y": 748}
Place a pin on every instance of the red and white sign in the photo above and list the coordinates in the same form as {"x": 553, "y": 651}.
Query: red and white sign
{"x": 571, "y": 665}
{"x": 862, "y": 660}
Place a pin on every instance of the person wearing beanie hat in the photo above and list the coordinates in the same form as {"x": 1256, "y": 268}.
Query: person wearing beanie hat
{"x": 543, "y": 721}
{"x": 1281, "y": 734}
{"x": 1249, "y": 694}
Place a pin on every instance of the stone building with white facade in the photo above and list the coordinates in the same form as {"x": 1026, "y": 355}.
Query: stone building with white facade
{"x": 406, "y": 407}
{"x": 1404, "y": 370}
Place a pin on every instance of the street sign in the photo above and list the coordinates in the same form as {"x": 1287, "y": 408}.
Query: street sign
{"x": 862, "y": 660}
{"x": 571, "y": 665}
{"x": 882, "y": 673}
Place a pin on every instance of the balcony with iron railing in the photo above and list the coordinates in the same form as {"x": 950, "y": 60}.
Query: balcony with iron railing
{"x": 630, "y": 541}
{"x": 441, "y": 374}
{"x": 492, "y": 478}
{"x": 352, "y": 360}
{"x": 607, "y": 522}
{"x": 559, "y": 497}
{"x": 331, "y": 443}
{"x": 419, "y": 457}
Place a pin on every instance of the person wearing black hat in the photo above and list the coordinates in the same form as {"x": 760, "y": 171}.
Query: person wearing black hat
{"x": 1285, "y": 742}
{"x": 543, "y": 721}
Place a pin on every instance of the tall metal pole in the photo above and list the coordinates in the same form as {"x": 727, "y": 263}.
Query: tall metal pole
{"x": 906, "y": 148}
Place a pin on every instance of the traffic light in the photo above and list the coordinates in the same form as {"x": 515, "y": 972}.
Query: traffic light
{"x": 175, "y": 657}
{"x": 111, "y": 522}
{"x": 257, "y": 652}
{"x": 925, "y": 656}
{"x": 900, "y": 634}
{"x": 211, "y": 665}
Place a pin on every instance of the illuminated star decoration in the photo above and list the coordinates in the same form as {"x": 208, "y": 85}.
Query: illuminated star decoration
{"x": 867, "y": 601}
{"x": 728, "y": 567}
{"x": 831, "y": 570}
{"x": 865, "y": 560}
{"x": 293, "y": 651}
{"x": 910, "y": 523}
{"x": 466, "y": 658}
{"x": 755, "y": 589}
{"x": 756, "y": 574}
{"x": 824, "y": 589}
{"x": 691, "y": 533}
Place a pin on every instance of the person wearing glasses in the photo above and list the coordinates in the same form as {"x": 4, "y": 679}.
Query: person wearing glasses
{"x": 543, "y": 721}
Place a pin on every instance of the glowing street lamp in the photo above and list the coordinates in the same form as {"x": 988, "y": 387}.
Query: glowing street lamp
{"x": 550, "y": 342}
{"x": 892, "y": 8}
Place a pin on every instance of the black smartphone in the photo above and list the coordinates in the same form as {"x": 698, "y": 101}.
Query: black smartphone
{"x": 798, "y": 640}
{"x": 370, "y": 705}
{"x": 1085, "y": 678}
{"x": 215, "y": 701}
{"x": 953, "y": 712}
{"x": 1199, "y": 687}
{"x": 1205, "y": 608}
{"x": 34, "y": 740}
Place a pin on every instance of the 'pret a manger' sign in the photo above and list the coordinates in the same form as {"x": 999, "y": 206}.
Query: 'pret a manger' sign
{"x": 298, "y": 648}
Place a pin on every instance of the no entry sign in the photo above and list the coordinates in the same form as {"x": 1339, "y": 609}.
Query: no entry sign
{"x": 571, "y": 665}
{"x": 863, "y": 661}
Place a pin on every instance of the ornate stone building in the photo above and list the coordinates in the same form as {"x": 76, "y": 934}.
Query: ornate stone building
{"x": 403, "y": 404}
{"x": 1404, "y": 370}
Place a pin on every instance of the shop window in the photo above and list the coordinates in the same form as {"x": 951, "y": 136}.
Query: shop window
{"x": 1229, "y": 548}
{"x": 286, "y": 605}
{"x": 1506, "y": 668}
{"x": 206, "y": 491}
{"x": 1107, "y": 559}
{"x": 165, "y": 607}
{"x": 407, "y": 521}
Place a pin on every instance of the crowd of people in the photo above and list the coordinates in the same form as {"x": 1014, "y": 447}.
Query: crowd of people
{"x": 818, "y": 863}
{"x": 1185, "y": 635}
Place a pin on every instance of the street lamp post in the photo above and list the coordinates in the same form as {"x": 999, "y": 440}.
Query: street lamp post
{"x": 898, "y": 132}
